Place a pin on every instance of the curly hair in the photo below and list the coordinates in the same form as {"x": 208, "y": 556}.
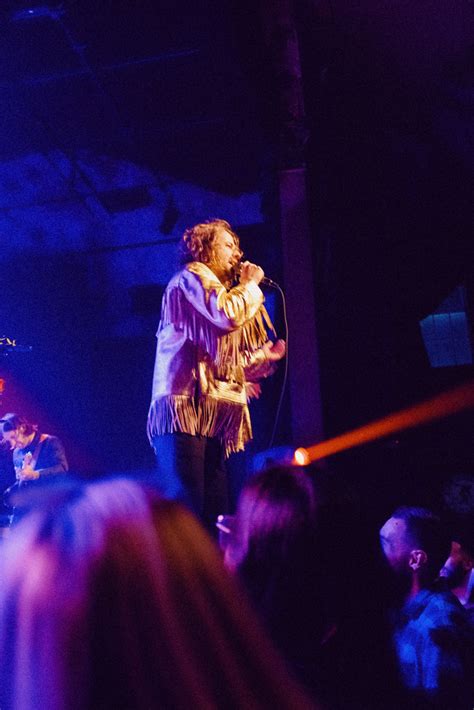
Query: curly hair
{"x": 196, "y": 243}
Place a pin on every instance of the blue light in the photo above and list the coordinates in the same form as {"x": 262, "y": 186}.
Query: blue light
{"x": 446, "y": 338}
{"x": 34, "y": 13}
{"x": 446, "y": 332}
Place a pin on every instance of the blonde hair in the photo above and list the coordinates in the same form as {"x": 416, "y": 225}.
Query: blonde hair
{"x": 115, "y": 598}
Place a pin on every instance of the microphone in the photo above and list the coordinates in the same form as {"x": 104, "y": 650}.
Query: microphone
{"x": 265, "y": 281}
{"x": 268, "y": 282}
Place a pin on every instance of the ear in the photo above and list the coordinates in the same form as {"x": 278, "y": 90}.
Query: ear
{"x": 417, "y": 559}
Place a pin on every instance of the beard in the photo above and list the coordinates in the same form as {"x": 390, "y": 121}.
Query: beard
{"x": 234, "y": 273}
{"x": 227, "y": 275}
{"x": 454, "y": 577}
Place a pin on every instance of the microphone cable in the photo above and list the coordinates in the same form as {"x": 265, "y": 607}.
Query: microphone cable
{"x": 273, "y": 284}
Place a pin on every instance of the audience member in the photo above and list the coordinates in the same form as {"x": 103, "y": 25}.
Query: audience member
{"x": 295, "y": 543}
{"x": 432, "y": 639}
{"x": 276, "y": 551}
{"x": 113, "y": 599}
{"x": 458, "y": 570}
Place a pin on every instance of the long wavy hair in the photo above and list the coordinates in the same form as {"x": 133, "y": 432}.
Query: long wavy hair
{"x": 115, "y": 599}
{"x": 282, "y": 548}
{"x": 197, "y": 242}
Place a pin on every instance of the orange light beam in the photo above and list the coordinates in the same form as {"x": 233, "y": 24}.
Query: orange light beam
{"x": 439, "y": 407}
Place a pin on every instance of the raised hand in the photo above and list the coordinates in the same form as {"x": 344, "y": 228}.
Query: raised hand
{"x": 274, "y": 351}
{"x": 250, "y": 272}
{"x": 253, "y": 390}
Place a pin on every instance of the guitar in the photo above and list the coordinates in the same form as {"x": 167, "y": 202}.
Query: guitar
{"x": 27, "y": 459}
{"x": 19, "y": 483}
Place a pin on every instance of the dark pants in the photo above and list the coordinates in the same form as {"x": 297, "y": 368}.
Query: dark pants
{"x": 191, "y": 469}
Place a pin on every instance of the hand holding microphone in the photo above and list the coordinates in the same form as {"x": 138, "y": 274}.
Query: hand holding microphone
{"x": 251, "y": 272}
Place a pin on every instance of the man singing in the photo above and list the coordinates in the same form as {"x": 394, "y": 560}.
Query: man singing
{"x": 212, "y": 349}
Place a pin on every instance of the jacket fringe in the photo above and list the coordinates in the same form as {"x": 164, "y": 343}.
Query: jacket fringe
{"x": 214, "y": 417}
{"x": 223, "y": 348}
{"x": 175, "y": 412}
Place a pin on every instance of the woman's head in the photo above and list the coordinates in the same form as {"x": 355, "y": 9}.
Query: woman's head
{"x": 284, "y": 552}
{"x": 113, "y": 598}
{"x": 277, "y": 508}
{"x": 52, "y": 577}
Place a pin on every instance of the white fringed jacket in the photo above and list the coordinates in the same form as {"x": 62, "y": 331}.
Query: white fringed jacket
{"x": 209, "y": 344}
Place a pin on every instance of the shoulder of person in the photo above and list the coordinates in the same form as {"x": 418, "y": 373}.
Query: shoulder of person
{"x": 200, "y": 269}
{"x": 205, "y": 275}
{"x": 50, "y": 440}
{"x": 443, "y": 609}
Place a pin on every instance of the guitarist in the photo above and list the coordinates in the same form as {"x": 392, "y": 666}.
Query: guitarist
{"x": 35, "y": 455}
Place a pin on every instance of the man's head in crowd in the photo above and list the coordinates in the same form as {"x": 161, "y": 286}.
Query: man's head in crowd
{"x": 460, "y": 563}
{"x": 458, "y": 566}
{"x": 415, "y": 545}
